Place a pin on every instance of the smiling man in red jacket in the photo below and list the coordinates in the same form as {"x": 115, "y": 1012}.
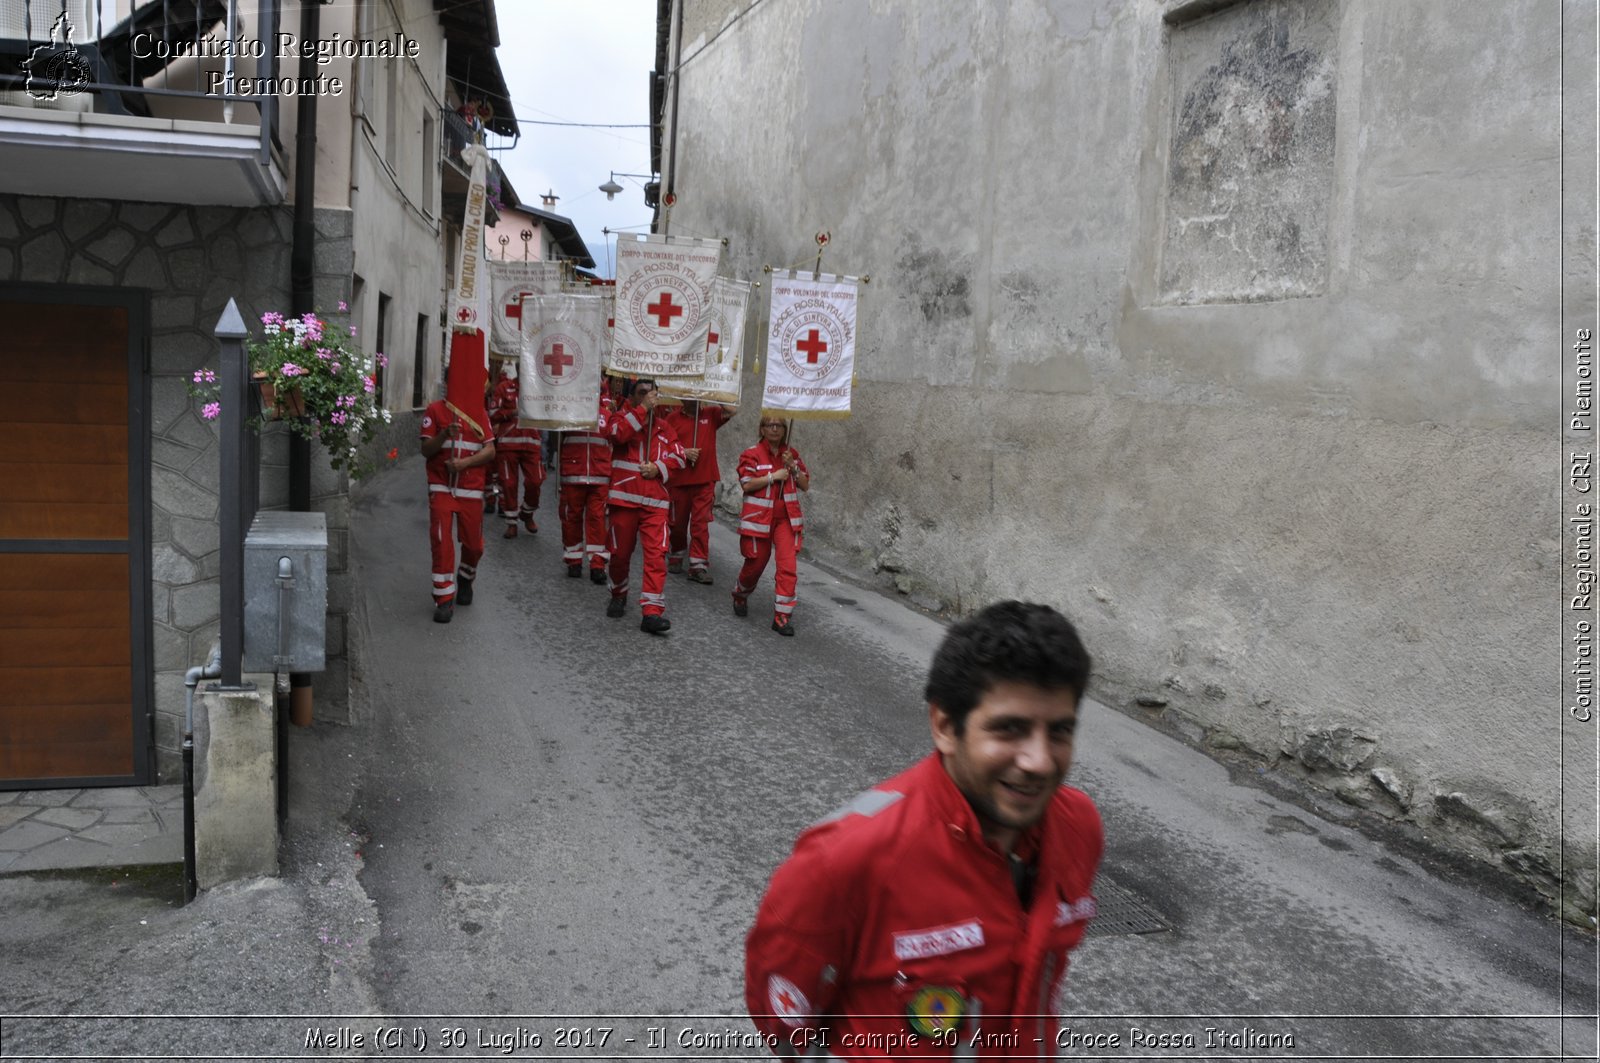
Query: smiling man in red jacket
{"x": 933, "y": 915}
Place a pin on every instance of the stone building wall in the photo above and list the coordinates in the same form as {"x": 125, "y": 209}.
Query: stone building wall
{"x": 192, "y": 260}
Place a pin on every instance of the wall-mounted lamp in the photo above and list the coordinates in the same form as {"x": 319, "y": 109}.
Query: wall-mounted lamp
{"x": 611, "y": 188}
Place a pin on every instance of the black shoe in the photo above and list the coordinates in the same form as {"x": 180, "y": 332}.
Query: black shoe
{"x": 615, "y": 607}
{"x": 597, "y": 575}
{"x": 443, "y": 612}
{"x": 529, "y": 523}
{"x": 700, "y": 575}
{"x": 655, "y": 625}
{"x": 575, "y": 571}
{"x": 740, "y": 608}
{"x": 783, "y": 629}
{"x": 463, "y": 591}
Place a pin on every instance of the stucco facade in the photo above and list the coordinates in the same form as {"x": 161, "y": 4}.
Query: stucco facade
{"x": 1232, "y": 329}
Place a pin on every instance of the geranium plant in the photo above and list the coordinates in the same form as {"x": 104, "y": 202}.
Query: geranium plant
{"x": 335, "y": 381}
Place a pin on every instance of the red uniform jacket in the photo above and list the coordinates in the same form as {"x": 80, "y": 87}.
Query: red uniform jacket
{"x": 756, "y": 517}
{"x": 698, "y": 431}
{"x": 586, "y": 455}
{"x": 468, "y": 484}
{"x": 630, "y": 448}
{"x": 503, "y": 416}
{"x": 895, "y": 907}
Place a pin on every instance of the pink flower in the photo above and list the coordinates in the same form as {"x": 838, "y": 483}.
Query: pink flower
{"x": 324, "y": 353}
{"x": 367, "y": 382}
{"x": 290, "y": 369}
{"x": 352, "y": 330}
{"x": 383, "y": 360}
{"x": 337, "y": 417}
{"x": 343, "y": 306}
{"x": 272, "y": 318}
{"x": 334, "y": 366}
{"x": 199, "y": 376}
{"x": 211, "y": 411}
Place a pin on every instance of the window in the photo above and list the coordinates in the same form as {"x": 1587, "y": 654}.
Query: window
{"x": 429, "y": 163}
{"x": 380, "y": 340}
{"x": 391, "y": 113}
{"x": 419, "y": 365}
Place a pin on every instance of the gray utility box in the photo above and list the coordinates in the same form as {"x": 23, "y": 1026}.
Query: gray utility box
{"x": 294, "y": 545}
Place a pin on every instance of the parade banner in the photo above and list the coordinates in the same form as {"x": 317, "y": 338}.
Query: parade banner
{"x": 559, "y": 371}
{"x": 469, "y": 297}
{"x": 810, "y": 346}
{"x": 662, "y": 312}
{"x": 511, "y": 282}
{"x": 720, "y": 381}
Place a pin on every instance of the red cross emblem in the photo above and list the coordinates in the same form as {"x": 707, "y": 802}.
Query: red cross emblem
{"x": 813, "y": 346}
{"x": 464, "y": 315}
{"x": 557, "y": 359}
{"x": 664, "y": 310}
{"x": 711, "y": 339}
{"x": 514, "y": 309}
{"x": 788, "y": 1002}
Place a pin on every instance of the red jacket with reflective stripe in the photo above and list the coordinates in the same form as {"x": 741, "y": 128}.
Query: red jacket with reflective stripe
{"x": 630, "y": 448}
{"x": 755, "y": 519}
{"x": 586, "y": 454}
{"x": 698, "y": 431}
{"x": 896, "y": 902}
{"x": 503, "y": 416}
{"x": 469, "y": 484}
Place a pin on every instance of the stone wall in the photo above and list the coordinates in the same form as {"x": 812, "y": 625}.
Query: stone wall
{"x": 1219, "y": 326}
{"x": 193, "y": 260}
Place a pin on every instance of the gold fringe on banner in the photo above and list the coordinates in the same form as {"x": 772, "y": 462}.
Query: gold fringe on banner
{"x": 807, "y": 415}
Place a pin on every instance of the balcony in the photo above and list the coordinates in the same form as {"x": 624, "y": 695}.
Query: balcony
{"x": 138, "y": 111}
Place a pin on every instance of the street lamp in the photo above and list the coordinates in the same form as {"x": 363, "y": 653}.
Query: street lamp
{"x": 611, "y": 188}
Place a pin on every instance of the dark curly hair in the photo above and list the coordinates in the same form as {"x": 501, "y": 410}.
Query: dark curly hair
{"x": 1021, "y": 642}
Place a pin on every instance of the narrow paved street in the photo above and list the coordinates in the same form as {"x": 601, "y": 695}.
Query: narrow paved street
{"x": 562, "y": 815}
{"x": 539, "y": 812}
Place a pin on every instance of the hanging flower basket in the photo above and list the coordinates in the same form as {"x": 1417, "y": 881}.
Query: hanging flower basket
{"x": 312, "y": 376}
{"x": 291, "y": 405}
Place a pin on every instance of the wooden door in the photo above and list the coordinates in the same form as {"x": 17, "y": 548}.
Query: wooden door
{"x": 74, "y": 575}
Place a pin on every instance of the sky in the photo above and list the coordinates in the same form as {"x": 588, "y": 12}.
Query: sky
{"x": 580, "y": 61}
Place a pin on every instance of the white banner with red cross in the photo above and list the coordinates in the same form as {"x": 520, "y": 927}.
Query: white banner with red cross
{"x": 720, "y": 382}
{"x": 811, "y": 346}
{"x": 663, "y": 304}
{"x": 512, "y": 282}
{"x": 559, "y": 371}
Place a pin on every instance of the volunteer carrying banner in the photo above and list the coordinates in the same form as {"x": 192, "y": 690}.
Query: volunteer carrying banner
{"x": 811, "y": 346}
{"x": 662, "y": 314}
{"x": 512, "y": 283}
{"x": 563, "y": 338}
{"x": 720, "y": 381}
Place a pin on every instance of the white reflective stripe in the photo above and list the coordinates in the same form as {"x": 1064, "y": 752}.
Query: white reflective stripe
{"x": 572, "y": 554}
{"x": 652, "y": 599}
{"x": 626, "y": 496}
{"x": 631, "y": 419}
{"x": 662, "y": 470}
{"x": 757, "y": 500}
{"x": 618, "y": 463}
{"x": 595, "y": 441}
{"x": 783, "y": 610}
{"x": 444, "y": 577}
{"x": 585, "y": 479}
{"x": 788, "y": 599}
{"x": 698, "y": 562}
{"x": 468, "y": 572}
{"x": 458, "y": 492}
{"x": 752, "y": 526}
{"x": 463, "y": 444}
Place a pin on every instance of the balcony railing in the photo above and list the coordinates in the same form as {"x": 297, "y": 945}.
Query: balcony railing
{"x": 165, "y": 75}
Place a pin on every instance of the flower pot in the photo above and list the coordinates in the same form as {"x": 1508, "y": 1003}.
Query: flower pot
{"x": 273, "y": 406}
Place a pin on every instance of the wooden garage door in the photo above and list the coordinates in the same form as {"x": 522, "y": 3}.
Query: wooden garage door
{"x": 73, "y": 663}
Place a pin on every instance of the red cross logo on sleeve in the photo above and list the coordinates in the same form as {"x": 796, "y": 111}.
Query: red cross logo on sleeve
{"x": 558, "y": 359}
{"x": 813, "y": 346}
{"x": 788, "y": 1003}
{"x": 664, "y": 310}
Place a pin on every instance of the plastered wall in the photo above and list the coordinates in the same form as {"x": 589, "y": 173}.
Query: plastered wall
{"x": 1234, "y": 330}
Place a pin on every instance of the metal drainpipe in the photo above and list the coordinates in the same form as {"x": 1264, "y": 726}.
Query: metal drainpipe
{"x": 212, "y": 669}
{"x": 302, "y": 266}
{"x": 677, "y": 77}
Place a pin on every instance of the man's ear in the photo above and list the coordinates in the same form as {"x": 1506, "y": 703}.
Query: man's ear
{"x": 945, "y": 737}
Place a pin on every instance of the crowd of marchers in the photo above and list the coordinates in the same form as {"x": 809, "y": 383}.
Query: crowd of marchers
{"x": 643, "y": 480}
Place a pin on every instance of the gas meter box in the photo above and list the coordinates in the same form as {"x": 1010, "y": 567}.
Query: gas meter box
{"x": 286, "y": 593}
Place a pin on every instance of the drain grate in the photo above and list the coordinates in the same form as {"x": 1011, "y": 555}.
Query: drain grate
{"x": 1119, "y": 911}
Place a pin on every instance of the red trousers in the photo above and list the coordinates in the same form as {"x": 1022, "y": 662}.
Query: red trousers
{"x": 583, "y": 523}
{"x": 526, "y": 464}
{"x": 755, "y": 553}
{"x": 467, "y": 515}
{"x": 647, "y": 526}
{"x": 691, "y": 523}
